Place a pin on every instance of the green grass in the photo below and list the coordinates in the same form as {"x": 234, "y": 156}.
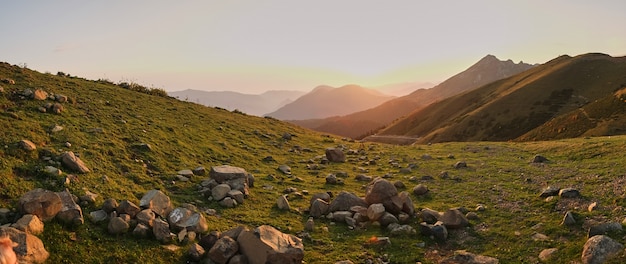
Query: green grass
{"x": 104, "y": 123}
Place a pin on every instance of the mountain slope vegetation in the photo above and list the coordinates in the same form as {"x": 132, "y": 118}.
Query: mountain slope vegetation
{"x": 107, "y": 126}
{"x": 363, "y": 123}
{"x": 509, "y": 108}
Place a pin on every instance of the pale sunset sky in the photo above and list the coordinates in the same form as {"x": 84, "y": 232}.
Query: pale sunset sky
{"x": 253, "y": 46}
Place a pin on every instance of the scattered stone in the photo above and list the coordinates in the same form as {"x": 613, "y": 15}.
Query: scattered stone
{"x": 569, "y": 193}
{"x": 547, "y": 254}
{"x": 568, "y": 219}
{"x": 60, "y": 98}
{"x": 30, "y": 224}
{"x": 56, "y": 108}
{"x": 228, "y": 202}
{"x": 340, "y": 216}
{"x": 454, "y": 218}
{"x": 604, "y": 229}
{"x": 42, "y": 203}
{"x": 380, "y": 191}
{"x": 437, "y": 231}
{"x": 420, "y": 189}
{"x": 183, "y": 218}
{"x": 480, "y": 207}
{"x": 592, "y": 206}
{"x": 399, "y": 185}
{"x": 109, "y": 205}
{"x": 430, "y": 216}
{"x": 40, "y": 95}
{"x": 550, "y": 191}
{"x": 220, "y": 191}
{"x": 405, "y": 170}
{"x": 309, "y": 226}
{"x": 196, "y": 252}
{"x": 444, "y": 175}
{"x": 238, "y": 259}
{"x": 472, "y": 216}
{"x": 540, "y": 237}
{"x": 161, "y": 231}
{"x": 539, "y": 159}
{"x": 331, "y": 179}
{"x": 363, "y": 178}
{"x": 141, "y": 230}
{"x": 98, "y": 216}
{"x": 55, "y": 129}
{"x": 27, "y": 145}
{"x": 52, "y": 171}
{"x": 345, "y": 200}
{"x": 387, "y": 219}
{"x": 128, "y": 207}
{"x": 74, "y": 163}
{"x": 157, "y": 201}
{"x": 460, "y": 165}
{"x": 70, "y": 212}
{"x": 30, "y": 248}
{"x": 223, "y": 250}
{"x": 237, "y": 195}
{"x": 335, "y": 155}
{"x": 598, "y": 249}
{"x": 282, "y": 203}
{"x": 318, "y": 208}
{"x": 267, "y": 245}
{"x": 375, "y": 211}
{"x": 284, "y": 169}
{"x": 146, "y": 217}
{"x": 397, "y": 229}
{"x": 117, "y": 226}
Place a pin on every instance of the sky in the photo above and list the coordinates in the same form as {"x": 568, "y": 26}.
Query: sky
{"x": 253, "y": 46}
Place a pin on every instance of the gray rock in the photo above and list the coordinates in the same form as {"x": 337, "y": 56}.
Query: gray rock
{"x": 199, "y": 171}
{"x": 238, "y": 259}
{"x": 30, "y": 248}
{"x": 236, "y": 195}
{"x": 335, "y": 155}
{"x": 30, "y": 224}
{"x": 42, "y": 203}
{"x": 267, "y": 245}
{"x": 146, "y": 217}
{"x": 187, "y": 173}
{"x": 387, "y": 219}
{"x": 568, "y": 219}
{"x": 598, "y": 249}
{"x": 550, "y": 191}
{"x": 324, "y": 196}
{"x": 223, "y": 250}
{"x": 375, "y": 211}
{"x": 399, "y": 185}
{"x": 52, "y": 171}
{"x": 363, "y": 178}
{"x": 228, "y": 202}
{"x": 420, "y": 189}
{"x": 398, "y": 230}
{"x": 196, "y": 252}
{"x": 89, "y": 197}
{"x": 109, "y": 205}
{"x": 234, "y": 232}
{"x": 430, "y": 216}
{"x": 539, "y": 159}
{"x": 460, "y": 165}
{"x": 157, "y": 201}
{"x": 161, "y": 231}
{"x": 331, "y": 179}
{"x": 209, "y": 240}
{"x": 284, "y": 169}
{"x": 128, "y": 207}
{"x": 604, "y": 229}
{"x": 282, "y": 203}
{"x": 225, "y": 173}
{"x": 309, "y": 226}
{"x": 70, "y": 212}
{"x": 141, "y": 230}
{"x": 380, "y": 191}
{"x": 98, "y": 216}
{"x": 345, "y": 200}
{"x": 74, "y": 163}
{"x": 569, "y": 193}
{"x": 117, "y": 226}
{"x": 56, "y": 128}
{"x": 318, "y": 208}
{"x": 183, "y": 218}
{"x": 60, "y": 98}
{"x": 340, "y": 216}
{"x": 453, "y": 219}
{"x": 220, "y": 191}
{"x": 437, "y": 231}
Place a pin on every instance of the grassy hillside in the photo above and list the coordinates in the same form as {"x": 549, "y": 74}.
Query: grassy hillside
{"x": 104, "y": 123}
{"x": 509, "y": 108}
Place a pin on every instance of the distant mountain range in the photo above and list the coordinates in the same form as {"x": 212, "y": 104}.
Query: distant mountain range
{"x": 363, "y": 123}
{"x": 253, "y": 104}
{"x": 565, "y": 97}
{"x": 326, "y": 101}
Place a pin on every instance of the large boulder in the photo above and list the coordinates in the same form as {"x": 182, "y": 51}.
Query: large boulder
{"x": 70, "y": 213}
{"x": 42, "y": 203}
{"x": 223, "y": 250}
{"x": 225, "y": 173}
{"x": 380, "y": 191}
{"x": 183, "y": 218}
{"x": 267, "y": 245}
{"x": 157, "y": 201}
{"x": 74, "y": 163}
{"x": 344, "y": 201}
{"x": 598, "y": 249}
{"x": 335, "y": 155}
{"x": 29, "y": 249}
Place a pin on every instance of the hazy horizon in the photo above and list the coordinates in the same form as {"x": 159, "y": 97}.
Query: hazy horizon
{"x": 253, "y": 46}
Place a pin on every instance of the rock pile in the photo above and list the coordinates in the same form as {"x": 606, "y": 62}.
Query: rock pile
{"x": 264, "y": 244}
{"x": 228, "y": 185}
